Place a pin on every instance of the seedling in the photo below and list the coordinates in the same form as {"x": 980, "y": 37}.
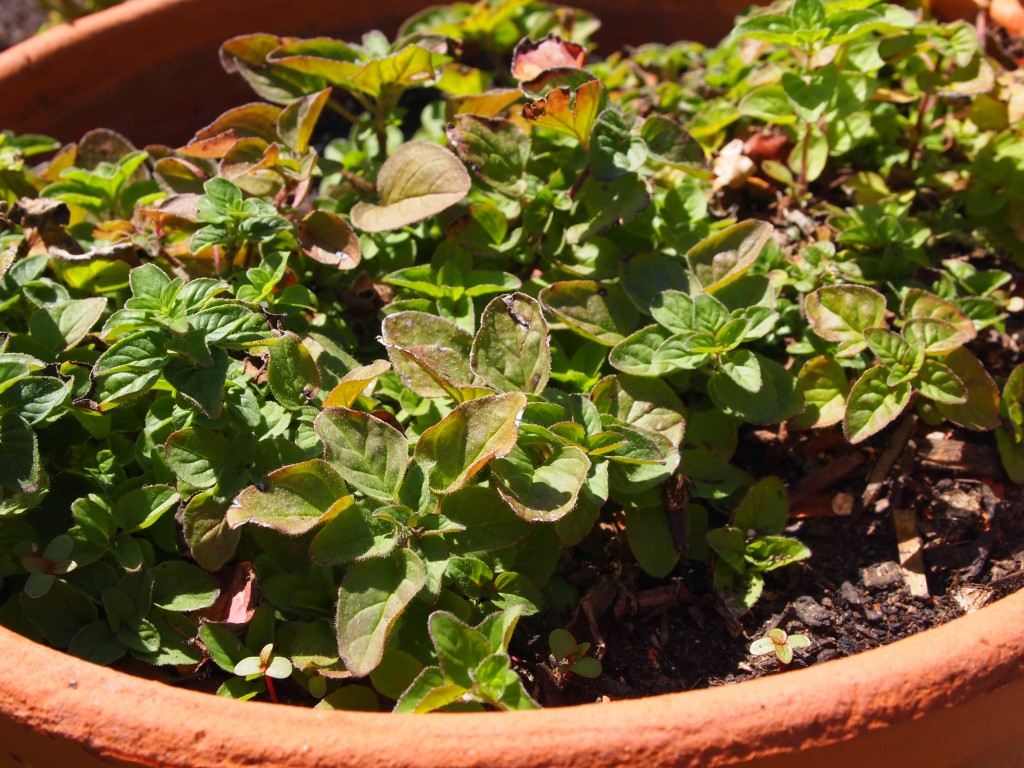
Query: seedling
{"x": 780, "y": 643}
{"x": 570, "y": 657}
{"x": 268, "y": 666}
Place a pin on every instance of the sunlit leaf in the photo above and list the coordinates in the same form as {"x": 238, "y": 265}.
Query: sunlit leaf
{"x": 511, "y": 351}
{"x": 293, "y": 499}
{"x": 567, "y": 112}
{"x": 463, "y": 442}
{"x": 372, "y": 596}
{"x": 420, "y": 179}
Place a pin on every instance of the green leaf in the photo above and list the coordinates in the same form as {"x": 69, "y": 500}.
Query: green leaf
{"x": 35, "y": 398}
{"x": 650, "y": 540}
{"x": 470, "y": 436}
{"x": 981, "y": 409}
{"x": 873, "y": 404}
{"x": 902, "y": 359}
{"x": 545, "y": 490}
{"x": 744, "y": 368}
{"x": 431, "y": 354}
{"x": 60, "y": 613}
{"x": 293, "y": 375}
{"x": 459, "y": 647}
{"x": 921, "y": 304}
{"x": 180, "y": 586}
{"x": 369, "y": 453}
{"x": 512, "y": 350}
{"x": 711, "y": 476}
{"x": 810, "y": 94}
{"x": 764, "y": 508}
{"x": 842, "y": 312}
{"x": 60, "y": 327}
{"x": 497, "y": 149}
{"x": 138, "y": 353}
{"x": 614, "y": 149}
{"x": 225, "y": 649}
{"x": 197, "y": 456}
{"x": 357, "y": 533}
{"x": 292, "y": 500}
{"x": 935, "y": 335}
{"x": 419, "y": 180}
{"x": 20, "y": 468}
{"x": 428, "y": 692}
{"x": 824, "y": 386}
{"x": 668, "y": 142}
{"x": 373, "y": 594}
{"x": 937, "y": 382}
{"x": 645, "y": 403}
{"x": 769, "y": 103}
{"x": 641, "y": 354}
{"x": 142, "y": 507}
{"x": 601, "y": 312}
{"x": 206, "y": 531}
{"x": 727, "y": 255}
{"x": 488, "y": 523}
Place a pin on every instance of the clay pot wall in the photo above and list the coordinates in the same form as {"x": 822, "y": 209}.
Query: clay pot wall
{"x": 949, "y": 698}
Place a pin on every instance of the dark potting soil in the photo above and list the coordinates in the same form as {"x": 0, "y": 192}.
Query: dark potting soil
{"x": 850, "y": 596}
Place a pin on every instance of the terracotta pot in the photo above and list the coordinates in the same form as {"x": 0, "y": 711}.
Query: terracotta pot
{"x": 950, "y": 697}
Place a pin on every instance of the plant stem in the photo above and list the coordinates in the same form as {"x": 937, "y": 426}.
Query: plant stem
{"x": 575, "y": 188}
{"x": 270, "y": 689}
{"x": 344, "y": 111}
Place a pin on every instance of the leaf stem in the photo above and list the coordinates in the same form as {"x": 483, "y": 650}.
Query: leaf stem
{"x": 344, "y": 111}
{"x": 271, "y": 690}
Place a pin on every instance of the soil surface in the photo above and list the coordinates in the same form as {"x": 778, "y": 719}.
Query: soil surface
{"x": 852, "y": 595}
{"x": 19, "y": 19}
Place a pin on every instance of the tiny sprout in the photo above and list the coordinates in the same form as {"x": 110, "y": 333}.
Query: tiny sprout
{"x": 781, "y": 643}
{"x": 266, "y": 665}
{"x": 570, "y": 656}
{"x": 45, "y": 568}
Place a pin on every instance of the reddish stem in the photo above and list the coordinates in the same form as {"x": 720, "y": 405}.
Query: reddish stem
{"x": 270, "y": 689}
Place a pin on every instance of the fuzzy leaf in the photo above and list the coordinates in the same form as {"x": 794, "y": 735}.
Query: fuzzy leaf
{"x": 824, "y": 386}
{"x": 372, "y": 596}
{"x": 328, "y": 239}
{"x": 725, "y": 256}
{"x": 495, "y": 148}
{"x": 354, "y": 383}
{"x": 512, "y": 349}
{"x": 357, "y": 533}
{"x": 428, "y": 351}
{"x": 600, "y": 312}
{"x": 937, "y": 382}
{"x": 293, "y": 375}
{"x": 545, "y": 491}
{"x": 873, "y": 404}
{"x": 842, "y": 312}
{"x": 419, "y": 180}
{"x": 981, "y": 409}
{"x": 292, "y": 500}
{"x": 464, "y": 441}
{"x": 370, "y": 454}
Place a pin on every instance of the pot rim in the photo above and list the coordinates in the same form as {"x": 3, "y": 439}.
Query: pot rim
{"x": 782, "y": 714}
{"x": 824, "y": 704}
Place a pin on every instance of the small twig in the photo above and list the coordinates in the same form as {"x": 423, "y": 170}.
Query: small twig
{"x": 880, "y": 472}
{"x": 911, "y": 551}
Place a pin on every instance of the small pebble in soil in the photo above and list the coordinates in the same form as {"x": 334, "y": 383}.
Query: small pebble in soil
{"x": 881, "y": 575}
{"x": 850, "y": 594}
{"x": 811, "y": 613}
